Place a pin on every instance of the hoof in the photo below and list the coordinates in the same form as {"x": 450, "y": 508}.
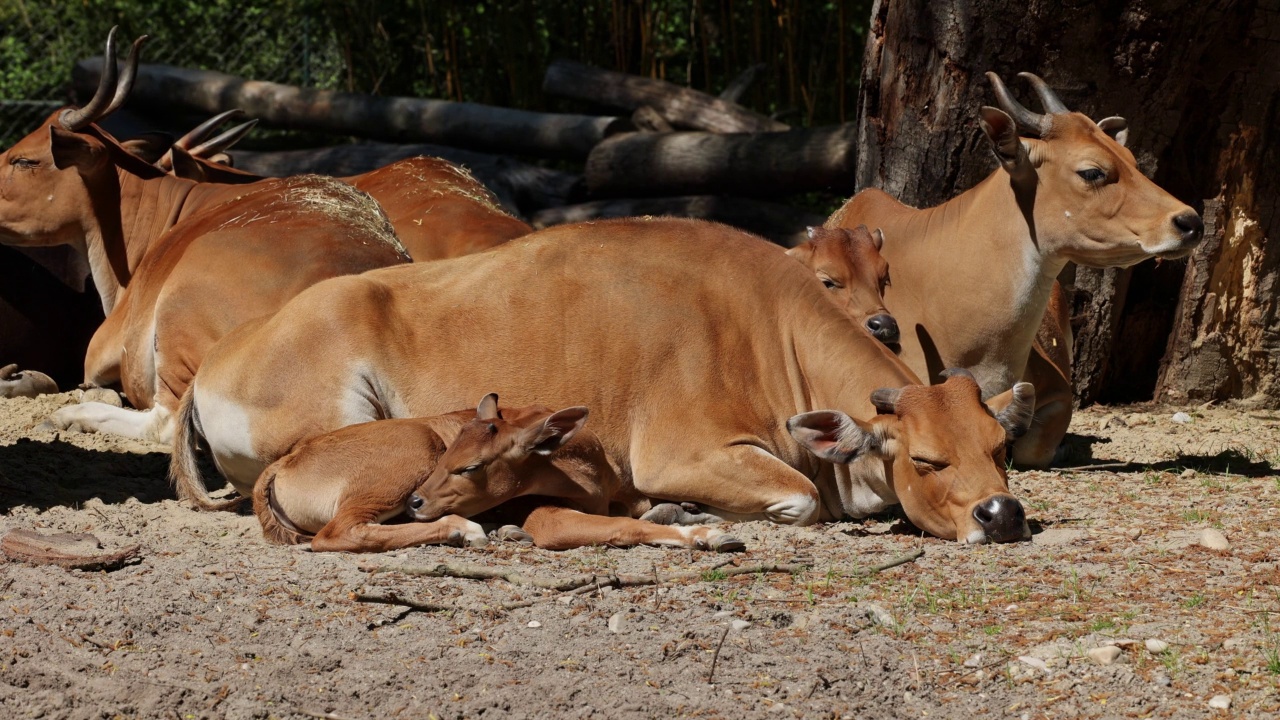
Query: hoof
{"x": 105, "y": 396}
{"x": 728, "y": 543}
{"x": 513, "y": 533}
{"x": 663, "y": 514}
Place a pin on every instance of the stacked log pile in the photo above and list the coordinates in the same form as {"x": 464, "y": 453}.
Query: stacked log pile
{"x": 669, "y": 150}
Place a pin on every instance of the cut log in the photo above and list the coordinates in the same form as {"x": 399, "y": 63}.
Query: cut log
{"x": 680, "y": 106}
{"x": 692, "y": 163}
{"x": 646, "y": 119}
{"x": 782, "y": 224}
{"x": 71, "y": 551}
{"x": 396, "y": 119}
{"x": 520, "y": 187}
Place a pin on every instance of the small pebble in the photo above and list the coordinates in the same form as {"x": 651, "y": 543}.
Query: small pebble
{"x": 1220, "y": 702}
{"x": 1181, "y": 418}
{"x": 740, "y": 624}
{"x": 1214, "y": 540}
{"x": 616, "y": 622}
{"x": 974, "y": 660}
{"x": 535, "y": 624}
{"x": 1134, "y": 533}
{"x": 1156, "y": 646}
{"x": 1034, "y": 662}
{"x": 879, "y": 615}
{"x": 1188, "y": 473}
{"x": 1104, "y": 655}
{"x": 1162, "y": 680}
{"x": 723, "y": 613}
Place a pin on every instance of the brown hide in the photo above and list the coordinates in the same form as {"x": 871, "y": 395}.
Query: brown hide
{"x": 692, "y": 343}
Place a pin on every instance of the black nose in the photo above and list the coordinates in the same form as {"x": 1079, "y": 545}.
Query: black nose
{"x": 1001, "y": 517}
{"x": 883, "y": 328}
{"x": 415, "y": 502}
{"x": 1190, "y": 225}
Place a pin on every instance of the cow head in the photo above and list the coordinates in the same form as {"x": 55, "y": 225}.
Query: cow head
{"x": 1081, "y": 187}
{"x": 55, "y": 181}
{"x": 943, "y": 451}
{"x": 850, "y": 266}
{"x": 495, "y": 459}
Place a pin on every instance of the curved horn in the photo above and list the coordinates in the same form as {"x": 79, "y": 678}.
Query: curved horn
{"x": 886, "y": 400}
{"x": 1048, "y": 98}
{"x": 223, "y": 141}
{"x": 957, "y": 372}
{"x": 78, "y": 118}
{"x": 126, "y": 79}
{"x": 1016, "y": 417}
{"x": 1034, "y": 123}
{"x": 201, "y": 131}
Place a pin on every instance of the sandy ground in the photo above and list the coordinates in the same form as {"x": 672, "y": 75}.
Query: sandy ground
{"x": 212, "y": 622}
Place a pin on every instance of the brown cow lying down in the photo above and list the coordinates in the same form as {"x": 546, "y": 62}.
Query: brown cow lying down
{"x": 693, "y": 344}
{"x": 336, "y": 490}
{"x": 850, "y": 266}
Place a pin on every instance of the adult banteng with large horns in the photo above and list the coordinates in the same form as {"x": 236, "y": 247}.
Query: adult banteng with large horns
{"x": 972, "y": 277}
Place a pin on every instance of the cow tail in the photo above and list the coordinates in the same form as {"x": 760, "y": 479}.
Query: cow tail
{"x": 184, "y": 471}
{"x": 276, "y": 526}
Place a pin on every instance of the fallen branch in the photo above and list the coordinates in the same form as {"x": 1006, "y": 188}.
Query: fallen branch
{"x": 71, "y": 551}
{"x": 1098, "y": 466}
{"x": 716, "y": 658}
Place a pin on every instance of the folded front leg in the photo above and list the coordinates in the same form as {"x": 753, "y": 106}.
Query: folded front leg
{"x": 560, "y": 528}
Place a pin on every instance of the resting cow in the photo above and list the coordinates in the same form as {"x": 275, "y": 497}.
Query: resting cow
{"x": 973, "y": 276}
{"x": 693, "y": 343}
{"x": 176, "y": 264}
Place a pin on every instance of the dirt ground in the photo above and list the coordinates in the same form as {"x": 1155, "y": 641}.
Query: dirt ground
{"x": 212, "y": 622}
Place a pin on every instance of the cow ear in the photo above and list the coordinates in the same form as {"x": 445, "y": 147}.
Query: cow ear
{"x": 149, "y": 146}
{"x": 73, "y": 149}
{"x": 488, "y": 408}
{"x": 1003, "y": 134}
{"x": 833, "y": 436}
{"x": 1117, "y": 127}
{"x": 802, "y": 252}
{"x": 555, "y": 432}
{"x": 186, "y": 166}
{"x": 1014, "y": 409}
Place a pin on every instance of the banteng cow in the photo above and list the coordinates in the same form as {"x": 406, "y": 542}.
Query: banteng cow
{"x": 176, "y": 264}
{"x": 973, "y": 276}
{"x": 693, "y": 343}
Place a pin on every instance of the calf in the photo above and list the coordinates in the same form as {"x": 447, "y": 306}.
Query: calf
{"x": 850, "y": 266}
{"x": 336, "y": 490}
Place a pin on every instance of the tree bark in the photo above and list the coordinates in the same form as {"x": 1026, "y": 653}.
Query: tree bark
{"x": 394, "y": 119}
{"x": 520, "y": 187}
{"x": 753, "y": 165}
{"x": 1186, "y": 75}
{"x": 680, "y": 106}
{"x": 782, "y": 224}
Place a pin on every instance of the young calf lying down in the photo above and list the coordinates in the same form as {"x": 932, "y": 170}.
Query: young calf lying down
{"x": 337, "y": 490}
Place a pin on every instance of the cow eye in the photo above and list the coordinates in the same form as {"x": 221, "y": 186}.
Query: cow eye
{"x": 830, "y": 284}
{"x": 1092, "y": 175}
{"x": 24, "y": 163}
{"x": 926, "y": 466}
{"x": 468, "y": 469}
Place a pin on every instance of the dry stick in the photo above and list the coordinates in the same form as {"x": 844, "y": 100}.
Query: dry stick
{"x": 716, "y": 658}
{"x": 318, "y": 714}
{"x": 1098, "y": 466}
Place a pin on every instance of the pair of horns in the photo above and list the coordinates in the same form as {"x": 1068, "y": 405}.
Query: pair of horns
{"x": 886, "y": 399}
{"x": 113, "y": 87}
{"x": 1031, "y": 122}
{"x": 195, "y": 143}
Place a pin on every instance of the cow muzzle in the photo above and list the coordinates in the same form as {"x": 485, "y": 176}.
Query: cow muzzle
{"x": 1002, "y": 519}
{"x": 883, "y": 328}
{"x": 419, "y": 509}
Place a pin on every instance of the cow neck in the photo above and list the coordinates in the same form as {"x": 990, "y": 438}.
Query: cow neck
{"x": 841, "y": 365}
{"x": 980, "y": 256}
{"x": 128, "y": 223}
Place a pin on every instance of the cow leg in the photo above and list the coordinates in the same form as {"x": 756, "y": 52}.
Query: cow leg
{"x": 560, "y": 528}
{"x": 24, "y": 383}
{"x": 155, "y": 424}
{"x": 1039, "y": 447}
{"x": 739, "y": 482}
{"x": 346, "y": 536}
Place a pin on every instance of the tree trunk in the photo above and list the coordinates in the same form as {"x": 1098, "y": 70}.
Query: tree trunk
{"x": 460, "y": 124}
{"x": 520, "y": 187}
{"x": 782, "y": 224}
{"x": 750, "y": 164}
{"x": 1197, "y": 82}
{"x": 678, "y": 105}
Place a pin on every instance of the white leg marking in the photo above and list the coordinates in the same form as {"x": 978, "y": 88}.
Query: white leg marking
{"x": 155, "y": 424}
{"x": 795, "y": 510}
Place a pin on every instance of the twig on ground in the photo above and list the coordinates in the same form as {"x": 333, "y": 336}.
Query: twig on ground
{"x": 716, "y": 658}
{"x": 318, "y": 714}
{"x": 1097, "y": 466}
{"x": 394, "y": 598}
